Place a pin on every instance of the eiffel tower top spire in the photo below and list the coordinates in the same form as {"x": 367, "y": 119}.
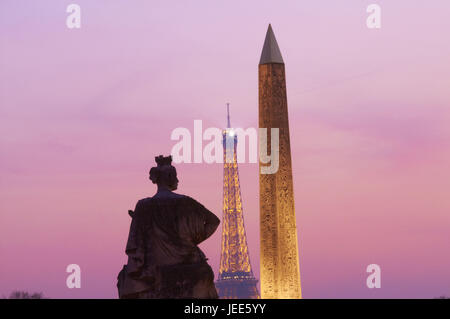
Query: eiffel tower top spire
{"x": 228, "y": 116}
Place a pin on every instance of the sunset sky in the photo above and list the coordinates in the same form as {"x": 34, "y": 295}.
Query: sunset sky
{"x": 83, "y": 113}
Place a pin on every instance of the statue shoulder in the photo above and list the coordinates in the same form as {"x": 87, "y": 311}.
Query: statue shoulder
{"x": 182, "y": 200}
{"x": 186, "y": 198}
{"x": 143, "y": 201}
{"x": 177, "y": 196}
{"x": 148, "y": 200}
{"x": 189, "y": 201}
{"x": 139, "y": 205}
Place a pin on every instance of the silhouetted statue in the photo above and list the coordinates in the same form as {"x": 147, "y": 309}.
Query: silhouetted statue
{"x": 163, "y": 258}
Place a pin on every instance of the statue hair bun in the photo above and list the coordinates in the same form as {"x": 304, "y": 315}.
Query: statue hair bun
{"x": 154, "y": 174}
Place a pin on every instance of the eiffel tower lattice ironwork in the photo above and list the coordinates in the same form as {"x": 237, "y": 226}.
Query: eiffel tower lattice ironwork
{"x": 236, "y": 279}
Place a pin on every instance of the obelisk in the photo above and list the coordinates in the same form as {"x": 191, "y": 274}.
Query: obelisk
{"x": 279, "y": 269}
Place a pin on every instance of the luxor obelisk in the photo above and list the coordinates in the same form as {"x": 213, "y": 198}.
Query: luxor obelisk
{"x": 279, "y": 270}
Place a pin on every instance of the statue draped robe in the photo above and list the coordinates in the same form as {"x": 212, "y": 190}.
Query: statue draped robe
{"x": 163, "y": 258}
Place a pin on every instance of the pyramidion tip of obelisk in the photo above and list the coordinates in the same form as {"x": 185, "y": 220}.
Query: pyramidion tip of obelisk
{"x": 270, "y": 52}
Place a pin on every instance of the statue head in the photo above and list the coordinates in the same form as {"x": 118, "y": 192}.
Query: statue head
{"x": 164, "y": 174}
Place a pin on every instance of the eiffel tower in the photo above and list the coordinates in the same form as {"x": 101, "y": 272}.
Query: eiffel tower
{"x": 236, "y": 279}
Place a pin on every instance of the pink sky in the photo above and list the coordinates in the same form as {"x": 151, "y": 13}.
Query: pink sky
{"x": 84, "y": 112}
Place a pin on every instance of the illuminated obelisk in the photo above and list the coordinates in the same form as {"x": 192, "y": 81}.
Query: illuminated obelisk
{"x": 279, "y": 271}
